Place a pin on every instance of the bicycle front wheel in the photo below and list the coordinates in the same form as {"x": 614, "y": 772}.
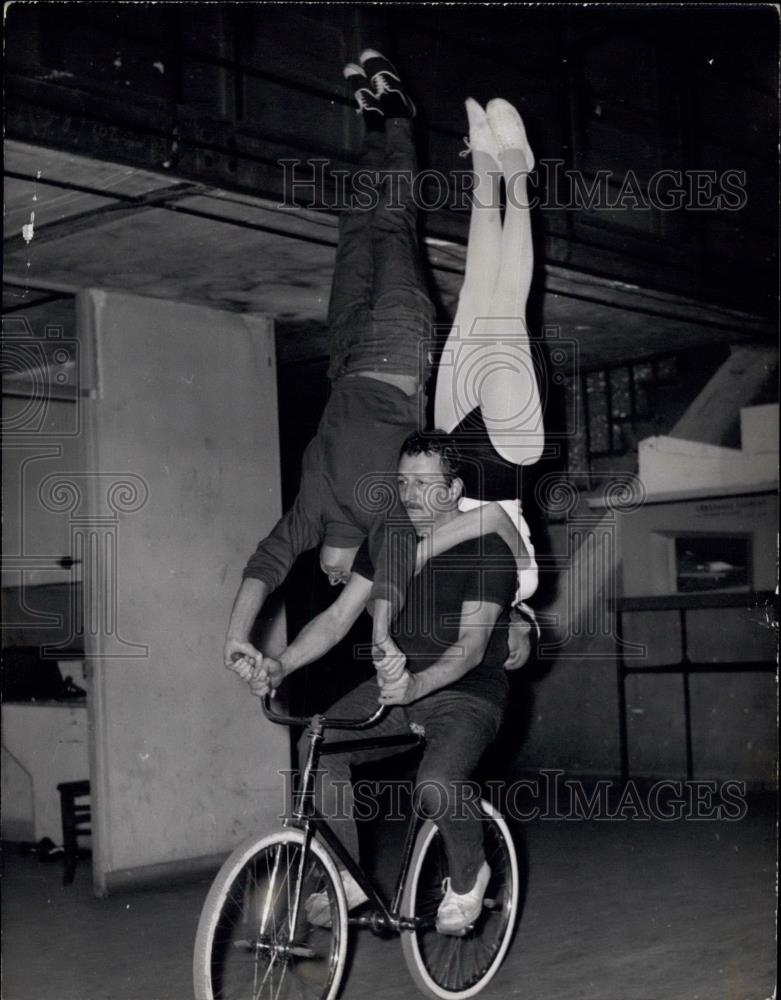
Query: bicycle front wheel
{"x": 253, "y": 938}
{"x": 444, "y": 966}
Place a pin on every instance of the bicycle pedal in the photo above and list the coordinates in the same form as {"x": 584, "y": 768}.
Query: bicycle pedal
{"x": 461, "y": 933}
{"x": 302, "y": 951}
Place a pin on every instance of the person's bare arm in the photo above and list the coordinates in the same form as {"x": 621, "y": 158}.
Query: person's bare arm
{"x": 296, "y": 531}
{"x": 238, "y": 653}
{"x": 328, "y": 628}
{"x": 388, "y": 659}
{"x": 319, "y": 635}
{"x": 489, "y": 519}
{"x": 477, "y": 621}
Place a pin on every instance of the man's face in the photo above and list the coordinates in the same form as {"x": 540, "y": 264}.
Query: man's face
{"x": 424, "y": 489}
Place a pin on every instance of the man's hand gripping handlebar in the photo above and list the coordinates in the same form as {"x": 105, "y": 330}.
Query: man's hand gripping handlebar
{"x": 240, "y": 657}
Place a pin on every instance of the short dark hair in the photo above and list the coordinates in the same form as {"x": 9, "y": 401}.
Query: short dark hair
{"x": 439, "y": 443}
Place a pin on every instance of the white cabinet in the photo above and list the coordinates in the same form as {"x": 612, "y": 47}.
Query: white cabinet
{"x": 42, "y": 746}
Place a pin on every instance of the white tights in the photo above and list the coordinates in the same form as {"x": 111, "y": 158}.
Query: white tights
{"x": 487, "y": 360}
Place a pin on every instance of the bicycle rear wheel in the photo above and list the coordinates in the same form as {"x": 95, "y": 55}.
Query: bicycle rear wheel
{"x": 444, "y": 966}
{"x": 253, "y": 938}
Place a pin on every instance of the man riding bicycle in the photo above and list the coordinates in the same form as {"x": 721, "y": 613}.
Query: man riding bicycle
{"x": 448, "y": 679}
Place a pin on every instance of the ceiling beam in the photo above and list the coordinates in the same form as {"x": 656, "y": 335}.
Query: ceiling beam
{"x": 127, "y": 206}
{"x": 33, "y": 303}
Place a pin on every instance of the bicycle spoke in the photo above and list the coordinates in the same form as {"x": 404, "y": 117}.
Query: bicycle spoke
{"x": 270, "y": 889}
{"x": 281, "y": 980}
{"x": 268, "y": 973}
{"x": 453, "y": 949}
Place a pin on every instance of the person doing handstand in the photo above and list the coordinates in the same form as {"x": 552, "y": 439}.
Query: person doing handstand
{"x": 487, "y": 394}
{"x": 379, "y": 321}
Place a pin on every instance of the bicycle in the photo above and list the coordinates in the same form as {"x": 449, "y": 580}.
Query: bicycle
{"x": 254, "y": 940}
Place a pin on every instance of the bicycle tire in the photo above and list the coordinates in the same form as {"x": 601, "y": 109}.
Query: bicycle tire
{"x": 243, "y": 946}
{"x": 447, "y": 967}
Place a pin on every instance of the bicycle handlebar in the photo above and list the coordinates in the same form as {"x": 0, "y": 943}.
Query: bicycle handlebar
{"x": 292, "y": 720}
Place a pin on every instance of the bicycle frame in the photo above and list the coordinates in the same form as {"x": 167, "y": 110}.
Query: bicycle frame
{"x": 277, "y": 902}
{"x": 307, "y": 818}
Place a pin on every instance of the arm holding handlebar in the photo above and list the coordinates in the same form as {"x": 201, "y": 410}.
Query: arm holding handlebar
{"x": 238, "y": 653}
{"x": 314, "y": 640}
{"x": 329, "y": 627}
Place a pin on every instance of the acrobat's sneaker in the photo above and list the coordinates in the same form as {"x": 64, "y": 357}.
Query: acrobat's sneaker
{"x": 367, "y": 101}
{"x": 458, "y": 911}
{"x": 507, "y": 126}
{"x": 481, "y": 135}
{"x": 386, "y": 84}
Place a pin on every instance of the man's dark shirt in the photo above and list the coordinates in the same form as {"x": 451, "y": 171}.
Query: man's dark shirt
{"x": 482, "y": 569}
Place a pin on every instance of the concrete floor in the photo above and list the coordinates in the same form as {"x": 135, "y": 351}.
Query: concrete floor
{"x": 614, "y": 911}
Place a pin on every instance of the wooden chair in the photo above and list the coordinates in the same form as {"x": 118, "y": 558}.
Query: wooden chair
{"x": 76, "y": 822}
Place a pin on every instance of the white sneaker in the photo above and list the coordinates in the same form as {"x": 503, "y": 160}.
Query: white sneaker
{"x": 457, "y": 911}
{"x": 507, "y": 126}
{"x": 481, "y": 136}
{"x": 317, "y": 906}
